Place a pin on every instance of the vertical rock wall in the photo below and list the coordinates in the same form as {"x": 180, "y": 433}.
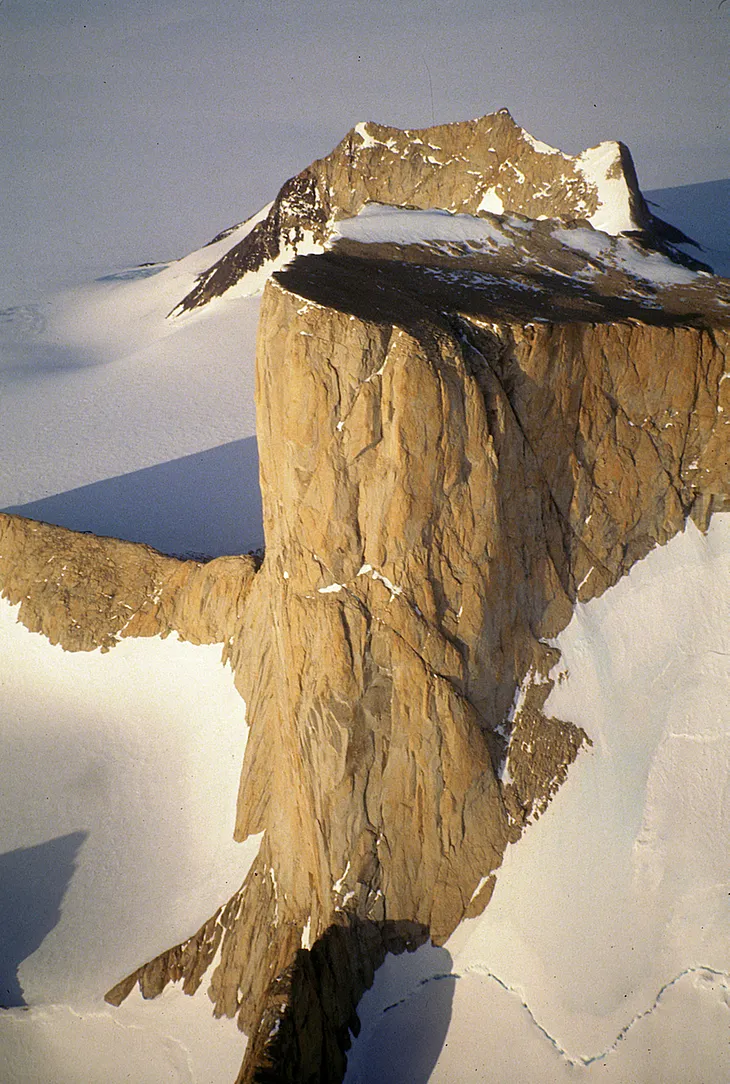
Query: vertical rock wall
{"x": 439, "y": 489}
{"x": 436, "y": 497}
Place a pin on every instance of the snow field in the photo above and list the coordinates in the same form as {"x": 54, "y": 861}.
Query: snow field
{"x": 139, "y": 749}
{"x": 99, "y": 383}
{"x": 120, "y": 771}
{"x": 170, "y": 1040}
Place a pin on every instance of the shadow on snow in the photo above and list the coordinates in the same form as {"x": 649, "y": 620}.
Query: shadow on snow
{"x": 206, "y": 504}
{"x": 33, "y": 883}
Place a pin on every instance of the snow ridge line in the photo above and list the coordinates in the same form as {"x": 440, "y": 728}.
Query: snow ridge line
{"x": 724, "y": 976}
{"x": 583, "y": 1060}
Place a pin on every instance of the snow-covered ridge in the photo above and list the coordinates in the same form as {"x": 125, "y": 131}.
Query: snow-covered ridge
{"x": 439, "y": 231}
{"x": 625, "y": 255}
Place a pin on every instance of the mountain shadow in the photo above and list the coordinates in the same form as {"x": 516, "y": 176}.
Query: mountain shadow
{"x": 703, "y": 212}
{"x": 410, "y": 1034}
{"x": 203, "y": 505}
{"x": 310, "y": 1015}
{"x": 403, "y": 1041}
{"x": 33, "y": 883}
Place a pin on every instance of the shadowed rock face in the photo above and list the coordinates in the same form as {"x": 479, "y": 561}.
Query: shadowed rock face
{"x": 451, "y": 455}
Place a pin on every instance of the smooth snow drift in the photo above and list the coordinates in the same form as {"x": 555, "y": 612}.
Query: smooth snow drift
{"x": 380, "y": 224}
{"x": 119, "y": 782}
{"x": 604, "y": 953}
{"x": 98, "y": 385}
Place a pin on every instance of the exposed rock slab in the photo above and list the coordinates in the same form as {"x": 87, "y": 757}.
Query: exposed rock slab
{"x": 85, "y": 592}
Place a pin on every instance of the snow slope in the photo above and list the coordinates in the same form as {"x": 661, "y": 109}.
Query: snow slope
{"x": 702, "y": 211}
{"x": 98, "y": 385}
{"x": 604, "y": 953}
{"x": 378, "y": 223}
{"x": 118, "y": 786}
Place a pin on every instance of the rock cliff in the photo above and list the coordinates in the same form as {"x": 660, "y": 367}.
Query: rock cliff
{"x": 456, "y": 445}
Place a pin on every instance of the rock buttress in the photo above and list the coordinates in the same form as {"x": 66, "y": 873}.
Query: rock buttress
{"x": 437, "y": 495}
{"x": 439, "y": 489}
{"x": 85, "y": 592}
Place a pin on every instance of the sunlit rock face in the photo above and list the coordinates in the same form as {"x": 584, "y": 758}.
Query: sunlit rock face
{"x": 470, "y": 418}
{"x": 479, "y": 167}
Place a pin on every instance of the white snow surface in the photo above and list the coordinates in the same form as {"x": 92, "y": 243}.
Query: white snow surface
{"x": 118, "y": 782}
{"x": 539, "y": 146}
{"x": 604, "y": 953}
{"x": 137, "y": 751}
{"x": 626, "y": 256}
{"x": 172, "y": 1039}
{"x": 614, "y": 209}
{"x": 492, "y": 202}
{"x": 378, "y": 222}
{"x": 97, "y": 383}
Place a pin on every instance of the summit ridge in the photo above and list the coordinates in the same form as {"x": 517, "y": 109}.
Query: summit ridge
{"x": 481, "y": 167}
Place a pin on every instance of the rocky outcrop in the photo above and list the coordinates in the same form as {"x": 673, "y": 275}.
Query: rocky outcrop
{"x": 475, "y": 167}
{"x": 440, "y": 487}
{"x": 455, "y": 447}
{"x": 84, "y": 592}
